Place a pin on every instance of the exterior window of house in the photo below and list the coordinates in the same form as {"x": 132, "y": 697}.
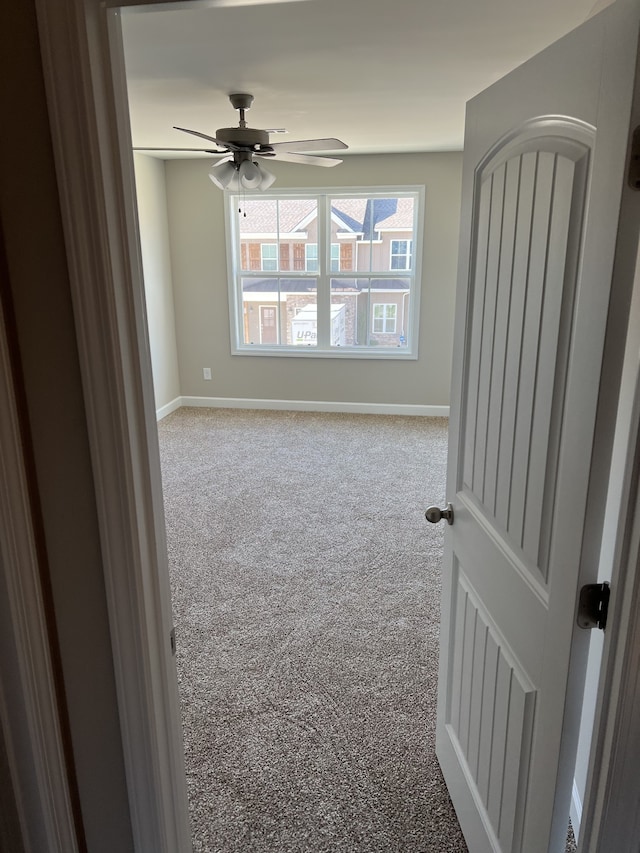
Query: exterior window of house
{"x": 400, "y": 255}
{"x": 384, "y": 318}
{"x": 269, "y": 256}
{"x": 311, "y": 257}
{"x": 310, "y": 272}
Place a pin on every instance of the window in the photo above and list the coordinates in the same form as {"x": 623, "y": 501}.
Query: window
{"x": 311, "y": 257}
{"x": 384, "y": 318}
{"x": 268, "y": 256}
{"x": 400, "y": 255}
{"x": 325, "y": 272}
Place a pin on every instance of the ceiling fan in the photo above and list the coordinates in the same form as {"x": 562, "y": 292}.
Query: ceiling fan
{"x": 240, "y": 170}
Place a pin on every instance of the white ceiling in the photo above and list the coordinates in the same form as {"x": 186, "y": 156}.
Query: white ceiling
{"x": 382, "y": 75}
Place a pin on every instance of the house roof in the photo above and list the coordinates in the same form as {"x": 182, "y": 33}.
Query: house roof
{"x": 350, "y": 212}
{"x": 358, "y": 215}
{"x": 308, "y": 285}
{"x": 262, "y": 215}
{"x": 401, "y": 217}
{"x": 376, "y": 211}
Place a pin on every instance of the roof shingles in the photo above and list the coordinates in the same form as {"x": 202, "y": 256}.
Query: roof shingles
{"x": 260, "y": 216}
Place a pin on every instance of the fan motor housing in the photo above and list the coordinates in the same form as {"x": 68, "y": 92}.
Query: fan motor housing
{"x": 243, "y": 136}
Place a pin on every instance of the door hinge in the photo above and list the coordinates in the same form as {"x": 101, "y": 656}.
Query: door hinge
{"x": 172, "y": 640}
{"x": 593, "y": 605}
{"x": 633, "y": 177}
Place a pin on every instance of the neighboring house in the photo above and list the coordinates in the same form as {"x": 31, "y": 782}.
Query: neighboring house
{"x": 386, "y": 300}
{"x": 367, "y": 235}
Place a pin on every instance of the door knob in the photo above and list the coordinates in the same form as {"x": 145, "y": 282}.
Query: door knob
{"x": 434, "y": 514}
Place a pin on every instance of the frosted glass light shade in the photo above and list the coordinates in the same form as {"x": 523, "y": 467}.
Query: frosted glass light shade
{"x": 267, "y": 178}
{"x": 250, "y": 175}
{"x": 223, "y": 174}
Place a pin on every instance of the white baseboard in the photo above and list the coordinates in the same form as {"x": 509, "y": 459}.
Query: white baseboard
{"x": 575, "y": 813}
{"x": 317, "y": 406}
{"x": 165, "y": 410}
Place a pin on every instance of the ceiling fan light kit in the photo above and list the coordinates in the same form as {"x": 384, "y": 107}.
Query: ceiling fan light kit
{"x": 245, "y": 176}
{"x": 240, "y": 171}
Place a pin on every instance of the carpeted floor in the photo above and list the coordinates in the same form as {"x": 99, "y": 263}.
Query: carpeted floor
{"x": 305, "y": 584}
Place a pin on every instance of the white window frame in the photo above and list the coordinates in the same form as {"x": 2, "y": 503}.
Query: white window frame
{"x": 406, "y": 255}
{"x": 385, "y": 319}
{"x": 325, "y": 276}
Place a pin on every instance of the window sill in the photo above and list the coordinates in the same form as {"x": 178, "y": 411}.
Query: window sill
{"x": 374, "y": 353}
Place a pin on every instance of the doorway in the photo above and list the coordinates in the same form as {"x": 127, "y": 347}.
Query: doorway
{"x": 159, "y": 645}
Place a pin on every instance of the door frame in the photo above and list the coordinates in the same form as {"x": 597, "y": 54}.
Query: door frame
{"x": 611, "y": 815}
{"x": 86, "y": 93}
{"x": 83, "y": 66}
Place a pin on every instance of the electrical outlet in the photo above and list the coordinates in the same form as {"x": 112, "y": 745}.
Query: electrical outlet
{"x": 206, "y": 372}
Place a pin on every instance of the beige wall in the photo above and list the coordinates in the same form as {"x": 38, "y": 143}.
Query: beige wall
{"x": 197, "y": 236}
{"x": 158, "y": 286}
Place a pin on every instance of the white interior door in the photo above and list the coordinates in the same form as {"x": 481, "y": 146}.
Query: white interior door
{"x": 544, "y": 166}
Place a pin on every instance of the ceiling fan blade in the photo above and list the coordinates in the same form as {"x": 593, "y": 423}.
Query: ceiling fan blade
{"x": 309, "y": 159}
{"x": 164, "y": 148}
{"x": 229, "y": 145}
{"x": 310, "y": 145}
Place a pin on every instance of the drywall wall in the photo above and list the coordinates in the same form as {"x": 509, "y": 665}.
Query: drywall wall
{"x": 156, "y": 265}
{"x": 197, "y": 235}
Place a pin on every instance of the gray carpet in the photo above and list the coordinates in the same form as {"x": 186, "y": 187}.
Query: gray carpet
{"x": 305, "y": 584}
